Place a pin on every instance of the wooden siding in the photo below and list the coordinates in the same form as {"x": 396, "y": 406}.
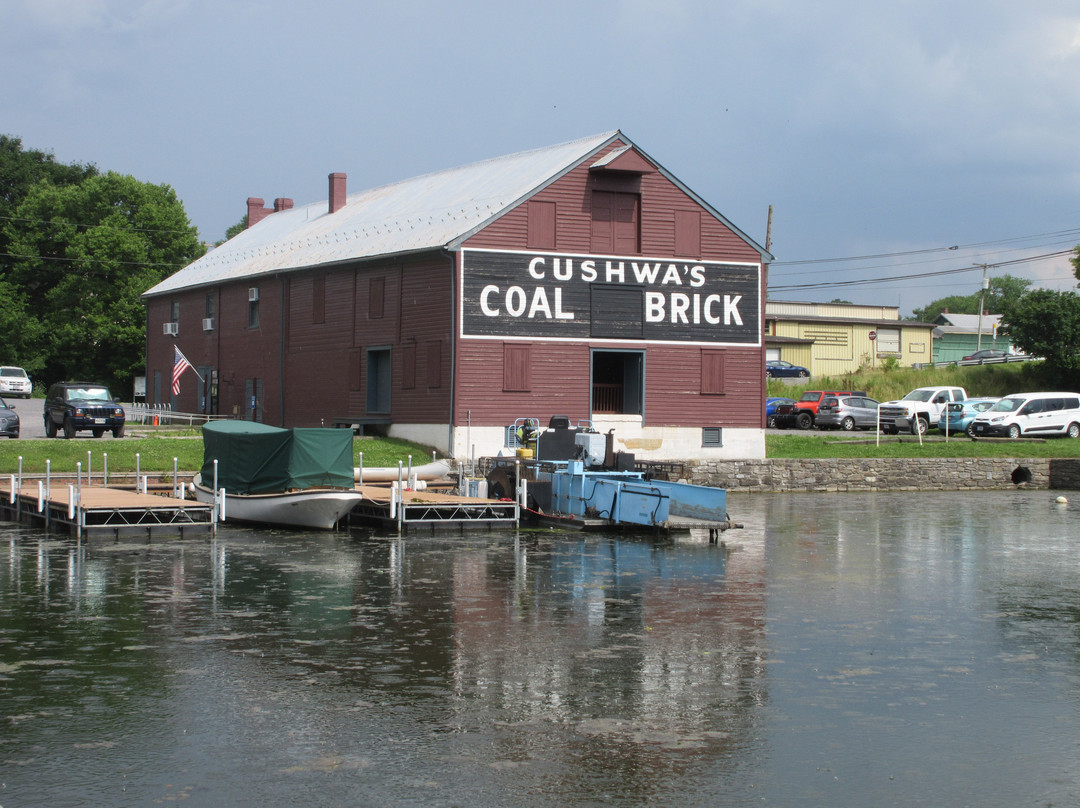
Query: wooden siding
{"x": 559, "y": 379}
{"x": 310, "y": 358}
{"x": 659, "y": 201}
{"x": 559, "y": 384}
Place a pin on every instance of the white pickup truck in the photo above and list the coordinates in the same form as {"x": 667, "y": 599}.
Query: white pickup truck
{"x": 918, "y": 409}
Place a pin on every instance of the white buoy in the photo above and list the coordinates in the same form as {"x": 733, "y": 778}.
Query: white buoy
{"x": 1061, "y": 501}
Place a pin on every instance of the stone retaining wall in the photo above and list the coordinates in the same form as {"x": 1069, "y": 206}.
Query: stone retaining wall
{"x": 885, "y": 474}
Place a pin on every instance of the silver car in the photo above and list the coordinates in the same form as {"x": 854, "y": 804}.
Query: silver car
{"x": 847, "y": 413}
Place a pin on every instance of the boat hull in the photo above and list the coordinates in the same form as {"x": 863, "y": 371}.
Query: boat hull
{"x": 319, "y": 509}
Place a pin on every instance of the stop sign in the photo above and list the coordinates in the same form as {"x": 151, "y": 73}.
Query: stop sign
{"x": 872, "y": 335}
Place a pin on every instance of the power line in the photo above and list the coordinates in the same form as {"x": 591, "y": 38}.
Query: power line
{"x": 1054, "y": 234}
{"x": 914, "y": 276}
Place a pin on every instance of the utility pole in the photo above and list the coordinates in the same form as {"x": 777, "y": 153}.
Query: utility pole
{"x": 768, "y": 232}
{"x": 982, "y": 305}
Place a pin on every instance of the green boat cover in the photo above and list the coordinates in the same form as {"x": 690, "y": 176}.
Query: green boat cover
{"x": 255, "y": 458}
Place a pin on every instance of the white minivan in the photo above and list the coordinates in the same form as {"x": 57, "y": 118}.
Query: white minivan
{"x": 1031, "y": 414}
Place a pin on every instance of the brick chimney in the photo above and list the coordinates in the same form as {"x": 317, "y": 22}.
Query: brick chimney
{"x": 337, "y": 192}
{"x": 256, "y": 212}
{"x": 281, "y": 204}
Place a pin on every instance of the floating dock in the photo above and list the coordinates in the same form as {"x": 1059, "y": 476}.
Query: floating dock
{"x": 430, "y": 509}
{"x": 98, "y": 511}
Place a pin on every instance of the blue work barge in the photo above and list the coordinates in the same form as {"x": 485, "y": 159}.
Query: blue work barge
{"x": 571, "y": 477}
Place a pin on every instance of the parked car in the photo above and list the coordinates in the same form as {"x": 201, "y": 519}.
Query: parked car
{"x": 781, "y": 369}
{"x": 847, "y": 413}
{"x": 9, "y": 420}
{"x": 1031, "y": 414}
{"x": 962, "y": 413}
{"x": 14, "y": 382}
{"x": 76, "y": 406}
{"x": 985, "y": 353}
{"x": 770, "y": 409}
{"x": 918, "y": 410}
{"x": 801, "y": 413}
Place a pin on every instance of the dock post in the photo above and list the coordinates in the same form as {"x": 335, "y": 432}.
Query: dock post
{"x": 18, "y": 503}
{"x": 48, "y": 490}
{"x": 89, "y": 476}
{"x": 137, "y": 458}
{"x": 360, "y": 470}
{"x": 175, "y": 474}
{"x": 213, "y": 516}
{"x": 105, "y": 471}
{"x": 398, "y": 496}
{"x": 40, "y": 496}
{"x": 78, "y": 493}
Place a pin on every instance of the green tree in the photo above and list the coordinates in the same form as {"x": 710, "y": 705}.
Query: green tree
{"x": 237, "y": 228}
{"x": 1001, "y": 292}
{"x": 1046, "y": 323}
{"x": 83, "y": 256}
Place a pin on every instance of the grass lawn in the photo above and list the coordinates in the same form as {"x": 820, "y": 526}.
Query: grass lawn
{"x": 157, "y": 453}
{"x": 817, "y": 444}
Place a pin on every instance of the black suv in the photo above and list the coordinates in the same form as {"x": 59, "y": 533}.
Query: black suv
{"x": 74, "y": 406}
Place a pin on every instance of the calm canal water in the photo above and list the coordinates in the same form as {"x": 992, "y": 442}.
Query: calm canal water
{"x": 842, "y": 650}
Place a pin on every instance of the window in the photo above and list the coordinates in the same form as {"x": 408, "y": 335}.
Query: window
{"x": 253, "y": 314}
{"x": 688, "y": 233}
{"x": 174, "y": 311}
{"x": 888, "y": 340}
{"x": 712, "y": 373}
{"x": 516, "y": 362}
{"x": 541, "y": 231}
{"x": 376, "y": 298}
{"x": 616, "y": 312}
{"x": 378, "y": 380}
{"x": 616, "y": 225}
{"x": 211, "y": 304}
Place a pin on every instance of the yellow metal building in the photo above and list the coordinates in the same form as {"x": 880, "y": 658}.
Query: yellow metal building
{"x": 835, "y": 338}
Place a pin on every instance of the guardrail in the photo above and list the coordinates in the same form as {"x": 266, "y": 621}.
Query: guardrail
{"x": 998, "y": 360}
{"x": 163, "y": 414}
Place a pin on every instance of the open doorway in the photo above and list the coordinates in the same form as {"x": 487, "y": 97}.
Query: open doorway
{"x": 618, "y": 382}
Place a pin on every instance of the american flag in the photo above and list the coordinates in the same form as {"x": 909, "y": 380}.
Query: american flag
{"x": 180, "y": 364}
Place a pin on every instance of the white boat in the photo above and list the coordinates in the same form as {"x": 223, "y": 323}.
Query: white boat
{"x": 316, "y": 508}
{"x": 279, "y": 477}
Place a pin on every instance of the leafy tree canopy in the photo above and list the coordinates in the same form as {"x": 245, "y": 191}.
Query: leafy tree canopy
{"x": 83, "y": 254}
{"x": 1047, "y": 323}
{"x": 1001, "y": 292}
{"x": 237, "y": 228}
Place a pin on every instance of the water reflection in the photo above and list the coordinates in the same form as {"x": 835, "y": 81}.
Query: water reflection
{"x": 855, "y": 650}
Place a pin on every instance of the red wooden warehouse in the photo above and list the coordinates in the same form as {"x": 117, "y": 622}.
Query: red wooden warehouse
{"x": 581, "y": 280}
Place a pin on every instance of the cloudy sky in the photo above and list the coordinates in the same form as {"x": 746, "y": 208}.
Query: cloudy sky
{"x": 880, "y": 133}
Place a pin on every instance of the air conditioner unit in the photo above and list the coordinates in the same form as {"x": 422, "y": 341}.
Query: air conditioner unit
{"x": 172, "y": 329}
{"x": 208, "y": 324}
{"x": 253, "y": 294}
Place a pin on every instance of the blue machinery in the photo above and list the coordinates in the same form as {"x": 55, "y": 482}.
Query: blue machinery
{"x": 598, "y": 487}
{"x": 627, "y": 497}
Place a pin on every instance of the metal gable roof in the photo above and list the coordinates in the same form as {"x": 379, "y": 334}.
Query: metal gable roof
{"x": 423, "y": 213}
{"x": 433, "y": 211}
